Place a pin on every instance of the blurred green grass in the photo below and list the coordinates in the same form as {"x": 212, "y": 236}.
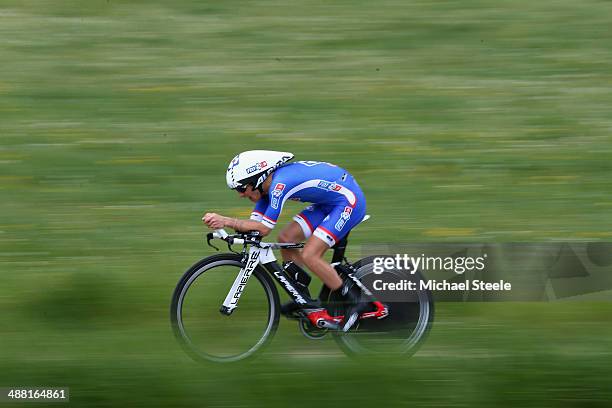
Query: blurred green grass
{"x": 463, "y": 121}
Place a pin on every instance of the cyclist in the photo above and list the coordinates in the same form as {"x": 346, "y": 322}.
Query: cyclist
{"x": 338, "y": 204}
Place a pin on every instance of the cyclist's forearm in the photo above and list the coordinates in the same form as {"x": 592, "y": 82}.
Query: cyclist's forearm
{"x": 246, "y": 225}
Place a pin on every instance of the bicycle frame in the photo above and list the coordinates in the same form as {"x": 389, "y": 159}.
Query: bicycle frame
{"x": 261, "y": 253}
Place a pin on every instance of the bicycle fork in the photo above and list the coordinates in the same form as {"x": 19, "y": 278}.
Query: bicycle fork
{"x": 231, "y": 300}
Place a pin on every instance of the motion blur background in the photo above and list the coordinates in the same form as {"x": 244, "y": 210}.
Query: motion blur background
{"x": 466, "y": 121}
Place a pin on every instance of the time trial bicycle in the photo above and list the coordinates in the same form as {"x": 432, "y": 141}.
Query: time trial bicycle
{"x": 210, "y": 326}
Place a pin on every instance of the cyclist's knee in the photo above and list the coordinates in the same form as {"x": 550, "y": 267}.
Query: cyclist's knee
{"x": 286, "y": 236}
{"x": 291, "y": 233}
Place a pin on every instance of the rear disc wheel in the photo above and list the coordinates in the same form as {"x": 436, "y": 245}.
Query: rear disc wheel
{"x": 405, "y": 328}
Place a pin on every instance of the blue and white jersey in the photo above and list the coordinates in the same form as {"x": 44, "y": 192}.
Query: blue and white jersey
{"x": 311, "y": 182}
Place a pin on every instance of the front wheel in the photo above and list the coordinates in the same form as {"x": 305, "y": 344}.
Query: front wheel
{"x": 207, "y": 334}
{"x": 410, "y": 316}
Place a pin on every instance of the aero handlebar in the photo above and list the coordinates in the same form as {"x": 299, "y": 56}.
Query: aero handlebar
{"x": 252, "y": 238}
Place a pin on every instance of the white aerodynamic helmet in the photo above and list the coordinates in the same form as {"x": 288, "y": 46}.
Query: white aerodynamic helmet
{"x": 252, "y": 167}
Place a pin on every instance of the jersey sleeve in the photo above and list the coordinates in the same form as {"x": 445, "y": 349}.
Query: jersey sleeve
{"x": 276, "y": 199}
{"x": 260, "y": 208}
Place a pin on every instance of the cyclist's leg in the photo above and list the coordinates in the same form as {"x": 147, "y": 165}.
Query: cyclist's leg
{"x": 336, "y": 224}
{"x": 312, "y": 255}
{"x": 300, "y": 229}
{"x": 297, "y": 231}
{"x": 331, "y": 230}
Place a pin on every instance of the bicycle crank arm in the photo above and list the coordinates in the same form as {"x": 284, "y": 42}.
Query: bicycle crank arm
{"x": 324, "y": 324}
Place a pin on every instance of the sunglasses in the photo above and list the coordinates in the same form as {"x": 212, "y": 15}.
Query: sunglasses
{"x": 241, "y": 189}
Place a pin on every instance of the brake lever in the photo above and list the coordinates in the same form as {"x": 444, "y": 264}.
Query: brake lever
{"x": 229, "y": 246}
{"x": 209, "y": 238}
